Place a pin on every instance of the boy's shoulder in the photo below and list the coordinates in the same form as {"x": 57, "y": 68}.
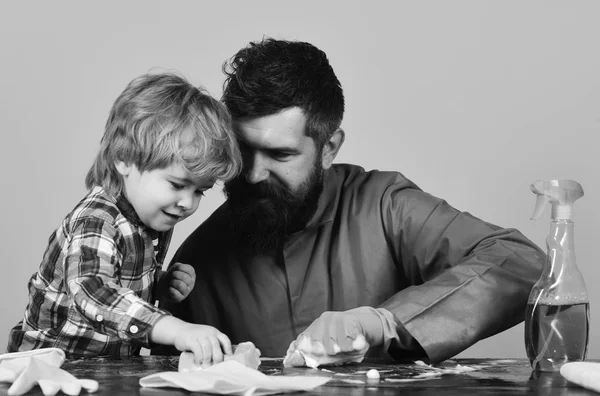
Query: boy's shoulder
{"x": 98, "y": 206}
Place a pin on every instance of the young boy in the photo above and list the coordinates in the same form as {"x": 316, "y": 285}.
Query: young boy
{"x": 165, "y": 143}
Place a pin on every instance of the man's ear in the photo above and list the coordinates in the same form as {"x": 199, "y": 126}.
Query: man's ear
{"x": 331, "y": 148}
{"x": 123, "y": 168}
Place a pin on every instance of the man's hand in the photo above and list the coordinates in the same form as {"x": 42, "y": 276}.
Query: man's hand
{"x": 304, "y": 352}
{"x": 177, "y": 283}
{"x": 337, "y": 338}
{"x": 337, "y": 331}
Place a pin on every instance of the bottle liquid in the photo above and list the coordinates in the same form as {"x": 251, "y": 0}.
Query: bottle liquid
{"x": 557, "y": 314}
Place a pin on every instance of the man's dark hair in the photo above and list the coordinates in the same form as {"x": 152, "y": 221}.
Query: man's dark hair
{"x": 269, "y": 76}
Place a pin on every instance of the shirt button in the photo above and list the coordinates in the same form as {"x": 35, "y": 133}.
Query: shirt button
{"x": 133, "y": 329}
{"x": 99, "y": 318}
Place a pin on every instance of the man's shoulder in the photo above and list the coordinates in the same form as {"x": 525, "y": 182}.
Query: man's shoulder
{"x": 356, "y": 178}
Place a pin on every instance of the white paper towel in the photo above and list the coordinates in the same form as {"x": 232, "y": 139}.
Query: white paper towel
{"x": 232, "y": 378}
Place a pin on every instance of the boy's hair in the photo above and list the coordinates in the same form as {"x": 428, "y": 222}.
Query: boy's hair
{"x": 161, "y": 119}
{"x": 269, "y": 76}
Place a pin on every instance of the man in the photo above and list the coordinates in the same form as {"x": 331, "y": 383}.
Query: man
{"x": 314, "y": 256}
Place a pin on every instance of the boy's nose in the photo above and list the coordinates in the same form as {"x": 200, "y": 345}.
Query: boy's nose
{"x": 186, "y": 201}
{"x": 257, "y": 170}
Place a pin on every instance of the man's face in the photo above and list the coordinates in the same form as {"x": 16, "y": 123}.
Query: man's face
{"x": 277, "y": 192}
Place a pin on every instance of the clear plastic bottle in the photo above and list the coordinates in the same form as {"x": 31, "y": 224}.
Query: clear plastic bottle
{"x": 557, "y": 314}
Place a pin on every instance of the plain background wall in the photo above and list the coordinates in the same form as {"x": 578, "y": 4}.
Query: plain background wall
{"x": 472, "y": 100}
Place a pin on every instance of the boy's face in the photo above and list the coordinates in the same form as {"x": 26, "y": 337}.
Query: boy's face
{"x": 162, "y": 197}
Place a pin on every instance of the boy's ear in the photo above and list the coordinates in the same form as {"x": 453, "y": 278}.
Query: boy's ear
{"x": 332, "y": 147}
{"x": 123, "y": 168}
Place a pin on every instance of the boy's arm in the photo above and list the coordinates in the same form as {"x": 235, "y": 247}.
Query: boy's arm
{"x": 92, "y": 274}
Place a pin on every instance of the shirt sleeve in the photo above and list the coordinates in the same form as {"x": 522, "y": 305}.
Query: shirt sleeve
{"x": 92, "y": 268}
{"x": 470, "y": 279}
{"x": 182, "y": 310}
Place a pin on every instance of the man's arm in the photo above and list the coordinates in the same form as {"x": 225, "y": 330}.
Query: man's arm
{"x": 471, "y": 279}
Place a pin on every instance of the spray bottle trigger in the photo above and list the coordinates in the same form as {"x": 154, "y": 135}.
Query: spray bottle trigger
{"x": 540, "y": 204}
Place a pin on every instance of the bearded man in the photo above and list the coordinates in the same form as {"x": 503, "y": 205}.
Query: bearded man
{"x": 305, "y": 252}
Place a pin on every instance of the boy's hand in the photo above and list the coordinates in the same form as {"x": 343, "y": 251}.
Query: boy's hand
{"x": 177, "y": 283}
{"x": 207, "y": 343}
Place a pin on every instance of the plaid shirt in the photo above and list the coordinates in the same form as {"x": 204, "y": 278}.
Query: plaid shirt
{"x": 92, "y": 294}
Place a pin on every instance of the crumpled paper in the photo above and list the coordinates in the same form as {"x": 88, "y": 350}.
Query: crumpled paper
{"x": 40, "y": 367}
{"x": 245, "y": 353}
{"x": 232, "y": 378}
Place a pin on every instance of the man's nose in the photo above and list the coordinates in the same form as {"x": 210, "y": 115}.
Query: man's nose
{"x": 257, "y": 169}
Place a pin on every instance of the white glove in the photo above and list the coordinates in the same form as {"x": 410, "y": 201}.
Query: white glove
{"x": 40, "y": 367}
{"x": 304, "y": 352}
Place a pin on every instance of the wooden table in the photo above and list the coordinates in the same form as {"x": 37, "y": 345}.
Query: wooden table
{"x": 120, "y": 376}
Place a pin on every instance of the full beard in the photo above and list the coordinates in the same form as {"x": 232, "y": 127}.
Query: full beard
{"x": 263, "y": 215}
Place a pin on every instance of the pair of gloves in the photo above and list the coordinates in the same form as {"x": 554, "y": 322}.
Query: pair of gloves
{"x": 41, "y": 367}
{"x": 342, "y": 337}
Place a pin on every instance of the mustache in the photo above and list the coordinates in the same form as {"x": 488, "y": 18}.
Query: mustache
{"x": 240, "y": 189}
{"x": 263, "y": 215}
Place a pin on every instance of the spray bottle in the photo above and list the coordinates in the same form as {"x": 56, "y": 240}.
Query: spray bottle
{"x": 557, "y": 314}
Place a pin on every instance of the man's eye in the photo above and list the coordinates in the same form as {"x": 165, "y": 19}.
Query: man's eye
{"x": 281, "y": 156}
{"x": 244, "y": 149}
{"x": 177, "y": 186}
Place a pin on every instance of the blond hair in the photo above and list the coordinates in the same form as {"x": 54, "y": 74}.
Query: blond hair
{"x": 161, "y": 119}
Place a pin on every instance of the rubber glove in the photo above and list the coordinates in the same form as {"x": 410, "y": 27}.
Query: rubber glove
{"x": 304, "y": 352}
{"x": 337, "y": 337}
{"x": 50, "y": 379}
{"x": 338, "y": 330}
{"x": 12, "y": 364}
{"x": 41, "y": 367}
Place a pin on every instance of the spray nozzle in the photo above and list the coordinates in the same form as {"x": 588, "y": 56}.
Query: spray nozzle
{"x": 560, "y": 193}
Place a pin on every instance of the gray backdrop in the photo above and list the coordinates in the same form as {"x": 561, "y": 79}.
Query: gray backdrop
{"x": 472, "y": 100}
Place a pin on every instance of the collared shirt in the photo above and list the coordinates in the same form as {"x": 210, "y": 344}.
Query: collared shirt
{"x": 376, "y": 239}
{"x": 92, "y": 294}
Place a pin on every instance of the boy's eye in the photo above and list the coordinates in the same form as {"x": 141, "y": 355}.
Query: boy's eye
{"x": 200, "y": 192}
{"x": 177, "y": 186}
